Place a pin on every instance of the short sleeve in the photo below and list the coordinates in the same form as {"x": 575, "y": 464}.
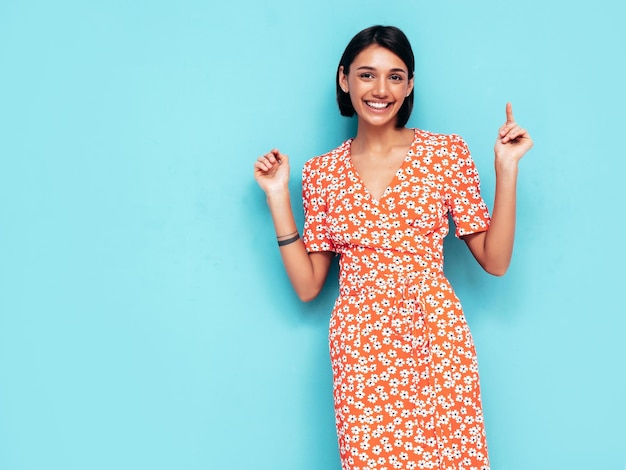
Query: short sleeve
{"x": 315, "y": 234}
{"x": 465, "y": 203}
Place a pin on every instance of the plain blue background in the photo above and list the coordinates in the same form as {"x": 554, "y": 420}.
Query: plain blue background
{"x": 145, "y": 318}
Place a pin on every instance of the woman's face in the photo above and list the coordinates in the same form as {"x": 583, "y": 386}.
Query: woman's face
{"x": 378, "y": 83}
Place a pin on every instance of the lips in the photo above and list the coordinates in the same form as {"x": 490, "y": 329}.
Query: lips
{"x": 377, "y": 105}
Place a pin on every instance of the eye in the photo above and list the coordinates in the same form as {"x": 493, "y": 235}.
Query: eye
{"x": 366, "y": 75}
{"x": 396, "y": 78}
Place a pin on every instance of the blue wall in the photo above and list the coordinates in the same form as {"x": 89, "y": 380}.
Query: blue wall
{"x": 145, "y": 319}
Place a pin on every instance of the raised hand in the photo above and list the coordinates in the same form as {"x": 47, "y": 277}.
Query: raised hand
{"x": 271, "y": 171}
{"x": 513, "y": 141}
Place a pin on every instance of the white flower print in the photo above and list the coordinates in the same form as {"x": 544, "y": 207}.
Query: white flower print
{"x": 406, "y": 385}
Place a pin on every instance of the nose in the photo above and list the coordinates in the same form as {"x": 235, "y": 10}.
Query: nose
{"x": 380, "y": 88}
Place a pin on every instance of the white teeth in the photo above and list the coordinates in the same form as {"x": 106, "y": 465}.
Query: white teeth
{"x": 377, "y": 105}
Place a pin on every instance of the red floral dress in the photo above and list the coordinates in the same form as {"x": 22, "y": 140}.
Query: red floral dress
{"x": 405, "y": 373}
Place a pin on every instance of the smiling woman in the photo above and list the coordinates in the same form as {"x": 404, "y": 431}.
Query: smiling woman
{"x": 406, "y": 386}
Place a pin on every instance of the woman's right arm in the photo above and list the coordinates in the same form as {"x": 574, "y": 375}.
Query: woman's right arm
{"x": 307, "y": 271}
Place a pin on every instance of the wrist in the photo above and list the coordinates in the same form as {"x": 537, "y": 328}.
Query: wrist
{"x": 506, "y": 167}
{"x": 277, "y": 194}
{"x": 279, "y": 201}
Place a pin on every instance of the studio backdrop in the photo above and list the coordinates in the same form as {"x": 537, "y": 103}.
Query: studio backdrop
{"x": 146, "y": 321}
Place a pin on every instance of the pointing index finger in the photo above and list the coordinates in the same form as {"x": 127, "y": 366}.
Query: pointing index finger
{"x": 509, "y": 113}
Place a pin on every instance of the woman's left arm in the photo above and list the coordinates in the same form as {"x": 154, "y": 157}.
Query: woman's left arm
{"x": 493, "y": 248}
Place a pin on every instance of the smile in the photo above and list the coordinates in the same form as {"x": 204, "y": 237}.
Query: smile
{"x": 375, "y": 105}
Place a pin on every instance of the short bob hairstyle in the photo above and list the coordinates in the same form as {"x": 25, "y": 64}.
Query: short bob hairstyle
{"x": 390, "y": 38}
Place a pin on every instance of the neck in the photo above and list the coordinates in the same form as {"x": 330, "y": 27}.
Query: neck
{"x": 380, "y": 138}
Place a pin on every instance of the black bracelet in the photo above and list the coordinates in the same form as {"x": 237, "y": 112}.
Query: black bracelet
{"x": 288, "y": 235}
{"x": 289, "y": 240}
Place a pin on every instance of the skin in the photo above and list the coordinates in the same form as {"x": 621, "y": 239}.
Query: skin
{"x": 378, "y": 77}
{"x": 378, "y": 82}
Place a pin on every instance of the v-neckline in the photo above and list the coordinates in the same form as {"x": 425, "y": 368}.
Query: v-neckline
{"x": 392, "y": 181}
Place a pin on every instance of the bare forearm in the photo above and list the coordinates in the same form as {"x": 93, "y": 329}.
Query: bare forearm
{"x": 307, "y": 273}
{"x": 498, "y": 243}
{"x": 493, "y": 249}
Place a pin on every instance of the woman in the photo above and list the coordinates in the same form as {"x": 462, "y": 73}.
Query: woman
{"x": 405, "y": 374}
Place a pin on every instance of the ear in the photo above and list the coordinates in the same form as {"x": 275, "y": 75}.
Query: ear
{"x": 343, "y": 80}
{"x": 410, "y": 87}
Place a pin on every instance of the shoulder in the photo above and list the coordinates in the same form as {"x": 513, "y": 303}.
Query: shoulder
{"x": 436, "y": 140}
{"x": 328, "y": 162}
{"x": 441, "y": 149}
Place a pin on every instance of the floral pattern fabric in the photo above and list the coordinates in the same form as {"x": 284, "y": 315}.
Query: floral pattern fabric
{"x": 406, "y": 385}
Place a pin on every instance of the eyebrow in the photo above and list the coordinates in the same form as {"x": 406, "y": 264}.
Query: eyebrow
{"x": 367, "y": 67}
